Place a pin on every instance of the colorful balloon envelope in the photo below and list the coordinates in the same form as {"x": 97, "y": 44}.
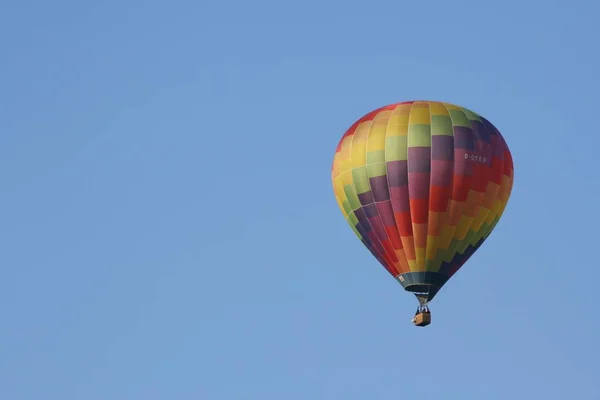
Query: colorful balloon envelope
{"x": 422, "y": 184}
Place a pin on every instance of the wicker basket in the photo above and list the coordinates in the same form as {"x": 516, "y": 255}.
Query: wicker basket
{"x": 422, "y": 319}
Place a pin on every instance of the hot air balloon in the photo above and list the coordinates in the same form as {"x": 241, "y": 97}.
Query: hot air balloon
{"x": 422, "y": 184}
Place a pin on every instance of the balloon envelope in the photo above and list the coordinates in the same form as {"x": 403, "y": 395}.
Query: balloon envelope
{"x": 422, "y": 184}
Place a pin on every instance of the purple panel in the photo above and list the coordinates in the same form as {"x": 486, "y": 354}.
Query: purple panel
{"x": 386, "y": 213}
{"x": 370, "y": 210}
{"x": 485, "y": 150}
{"x": 369, "y": 245}
{"x": 365, "y": 198}
{"x": 462, "y": 166}
{"x": 441, "y": 173}
{"x": 362, "y": 232}
{"x": 379, "y": 229}
{"x": 482, "y": 147}
{"x": 480, "y": 131}
{"x": 379, "y": 187}
{"x": 442, "y": 147}
{"x": 376, "y": 243}
{"x": 497, "y": 148}
{"x": 397, "y": 172}
{"x": 490, "y": 129}
{"x": 418, "y": 185}
{"x": 495, "y": 139}
{"x": 463, "y": 138}
{"x": 399, "y": 200}
{"x": 419, "y": 159}
{"x": 363, "y": 221}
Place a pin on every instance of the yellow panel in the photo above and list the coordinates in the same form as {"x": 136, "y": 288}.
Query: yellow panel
{"x": 490, "y": 194}
{"x": 347, "y": 178}
{"x": 480, "y": 215}
{"x": 451, "y": 106}
{"x": 436, "y": 108}
{"x": 420, "y": 252}
{"x": 400, "y": 115}
{"x": 463, "y": 227}
{"x": 376, "y": 139}
{"x": 344, "y": 165}
{"x": 338, "y": 185}
{"x": 397, "y": 130}
{"x": 446, "y": 237}
{"x": 495, "y": 210}
{"x": 359, "y": 144}
{"x": 412, "y": 265}
{"x": 435, "y": 223}
{"x": 345, "y": 155}
{"x": 347, "y": 143}
{"x": 383, "y": 116}
{"x": 335, "y": 167}
{"x": 419, "y": 115}
{"x": 431, "y": 249}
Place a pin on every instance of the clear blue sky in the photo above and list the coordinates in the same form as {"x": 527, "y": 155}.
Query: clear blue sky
{"x": 168, "y": 228}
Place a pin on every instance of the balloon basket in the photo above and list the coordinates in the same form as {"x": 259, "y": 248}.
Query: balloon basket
{"x": 422, "y": 319}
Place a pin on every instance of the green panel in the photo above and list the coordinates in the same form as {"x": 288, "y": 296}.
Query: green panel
{"x": 433, "y": 265}
{"x": 492, "y": 226}
{"x": 484, "y": 228}
{"x": 419, "y": 135}
{"x": 471, "y": 115}
{"x": 361, "y": 180}
{"x": 347, "y": 207}
{"x": 375, "y": 156}
{"x": 481, "y": 233}
{"x": 396, "y": 148}
{"x": 352, "y": 197}
{"x": 352, "y": 219}
{"x": 441, "y": 125}
{"x": 356, "y": 232}
{"x": 459, "y": 118}
{"x": 374, "y": 170}
{"x": 451, "y": 251}
{"x": 466, "y": 241}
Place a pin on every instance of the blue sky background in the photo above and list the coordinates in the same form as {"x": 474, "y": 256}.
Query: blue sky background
{"x": 168, "y": 228}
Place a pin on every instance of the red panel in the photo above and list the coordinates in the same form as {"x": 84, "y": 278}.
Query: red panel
{"x": 508, "y": 162}
{"x": 392, "y": 232}
{"x": 419, "y": 210}
{"x": 480, "y": 177}
{"x": 460, "y": 187}
{"x": 389, "y": 251}
{"x": 438, "y": 198}
{"x": 404, "y": 223}
{"x": 497, "y": 168}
